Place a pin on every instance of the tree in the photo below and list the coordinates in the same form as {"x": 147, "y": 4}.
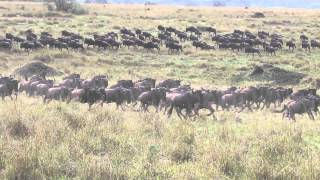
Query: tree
{"x": 70, "y": 6}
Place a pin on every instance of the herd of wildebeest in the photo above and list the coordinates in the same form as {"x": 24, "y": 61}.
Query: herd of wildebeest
{"x": 166, "y": 95}
{"x": 170, "y": 38}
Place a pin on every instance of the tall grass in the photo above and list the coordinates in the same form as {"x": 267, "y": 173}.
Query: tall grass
{"x": 60, "y": 141}
{"x": 68, "y": 141}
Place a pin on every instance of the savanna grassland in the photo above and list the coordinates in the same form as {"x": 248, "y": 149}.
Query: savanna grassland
{"x": 66, "y": 141}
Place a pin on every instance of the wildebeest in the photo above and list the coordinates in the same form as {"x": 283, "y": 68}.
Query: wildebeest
{"x": 291, "y": 45}
{"x": 251, "y": 50}
{"x": 118, "y": 95}
{"x": 88, "y": 95}
{"x": 300, "y": 106}
{"x": 57, "y": 93}
{"x": 161, "y": 28}
{"x": 97, "y": 82}
{"x": 123, "y": 83}
{"x": 28, "y": 46}
{"x": 153, "y": 97}
{"x": 147, "y": 83}
{"x": 128, "y": 43}
{"x": 306, "y": 46}
{"x": 8, "y": 86}
{"x": 5, "y": 45}
{"x": 75, "y": 45}
{"x": 270, "y": 50}
{"x": 232, "y": 99}
{"x": 186, "y": 100}
{"x": 71, "y": 82}
{"x": 174, "y": 47}
{"x": 89, "y": 42}
{"x": 315, "y": 44}
{"x": 169, "y": 83}
{"x": 151, "y": 45}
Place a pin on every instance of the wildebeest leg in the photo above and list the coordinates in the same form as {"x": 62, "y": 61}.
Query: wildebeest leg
{"x": 310, "y": 115}
{"x": 275, "y": 104}
{"x": 170, "y": 110}
{"x": 209, "y": 107}
{"x": 264, "y": 104}
{"x": 122, "y": 108}
{"x": 249, "y": 107}
{"x": 285, "y": 113}
{"x": 292, "y": 116}
{"x": 178, "y": 110}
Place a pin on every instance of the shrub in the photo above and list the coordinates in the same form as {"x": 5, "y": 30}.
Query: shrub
{"x": 18, "y": 129}
{"x": 69, "y": 6}
{"x": 258, "y": 15}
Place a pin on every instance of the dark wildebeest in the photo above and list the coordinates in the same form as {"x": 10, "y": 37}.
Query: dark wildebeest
{"x": 315, "y": 44}
{"x": 128, "y": 43}
{"x": 28, "y": 46}
{"x": 151, "y": 45}
{"x": 269, "y": 96}
{"x": 147, "y": 35}
{"x": 61, "y": 46}
{"x": 89, "y": 42}
{"x": 5, "y": 45}
{"x": 169, "y": 83}
{"x": 8, "y": 86}
{"x": 118, "y": 95}
{"x": 147, "y": 83}
{"x": 300, "y": 106}
{"x": 192, "y": 29}
{"x": 270, "y": 50}
{"x": 233, "y": 99}
{"x": 31, "y": 89}
{"x": 9, "y": 36}
{"x": 303, "y": 93}
{"x": 88, "y": 95}
{"x": 161, "y": 28}
{"x": 304, "y": 37}
{"x": 97, "y": 82}
{"x": 208, "y": 99}
{"x": 251, "y": 50}
{"x": 153, "y": 97}
{"x": 101, "y": 44}
{"x": 186, "y": 100}
{"x": 291, "y": 45}
{"x": 173, "y": 47}
{"x": 42, "y": 89}
{"x": 123, "y": 83}
{"x": 306, "y": 46}
{"x": 71, "y": 82}
{"x": 75, "y": 45}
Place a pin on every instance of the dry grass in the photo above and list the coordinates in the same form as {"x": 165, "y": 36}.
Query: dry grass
{"x": 60, "y": 141}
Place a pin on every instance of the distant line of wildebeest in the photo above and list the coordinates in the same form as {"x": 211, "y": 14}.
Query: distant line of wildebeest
{"x": 166, "y": 95}
{"x": 170, "y": 38}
